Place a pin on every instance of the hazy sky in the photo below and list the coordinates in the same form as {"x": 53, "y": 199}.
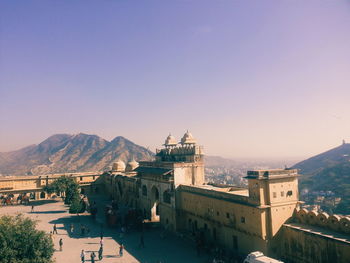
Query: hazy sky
{"x": 253, "y": 79}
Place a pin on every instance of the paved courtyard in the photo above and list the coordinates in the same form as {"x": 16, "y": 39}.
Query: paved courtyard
{"x": 168, "y": 249}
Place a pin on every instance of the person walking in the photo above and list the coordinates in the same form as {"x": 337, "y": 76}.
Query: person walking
{"x": 101, "y": 242}
{"x": 92, "y": 256}
{"x": 121, "y": 249}
{"x": 32, "y": 209}
{"x": 54, "y": 229}
{"x": 100, "y": 253}
{"x": 82, "y": 256}
{"x": 61, "y": 244}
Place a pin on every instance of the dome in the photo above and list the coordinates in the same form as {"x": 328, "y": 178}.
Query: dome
{"x": 131, "y": 166}
{"x": 170, "y": 141}
{"x": 188, "y": 139}
{"x": 118, "y": 166}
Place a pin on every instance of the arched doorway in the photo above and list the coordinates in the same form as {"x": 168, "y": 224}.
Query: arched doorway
{"x": 42, "y": 195}
{"x": 155, "y": 204}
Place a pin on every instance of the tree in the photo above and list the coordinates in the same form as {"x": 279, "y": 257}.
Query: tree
{"x": 67, "y": 185}
{"x": 21, "y": 242}
{"x": 77, "y": 206}
{"x": 70, "y": 187}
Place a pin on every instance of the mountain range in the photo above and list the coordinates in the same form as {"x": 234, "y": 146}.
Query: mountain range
{"x": 71, "y": 153}
{"x": 60, "y": 153}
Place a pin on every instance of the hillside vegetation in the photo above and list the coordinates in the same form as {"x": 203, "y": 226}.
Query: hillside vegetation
{"x": 329, "y": 171}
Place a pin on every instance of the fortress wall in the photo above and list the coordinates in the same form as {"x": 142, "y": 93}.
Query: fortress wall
{"x": 297, "y": 243}
{"x": 34, "y": 184}
{"x": 235, "y": 226}
{"x": 337, "y": 223}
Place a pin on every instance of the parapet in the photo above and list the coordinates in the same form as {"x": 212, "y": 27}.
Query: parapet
{"x": 336, "y": 223}
{"x": 272, "y": 174}
{"x": 182, "y": 153}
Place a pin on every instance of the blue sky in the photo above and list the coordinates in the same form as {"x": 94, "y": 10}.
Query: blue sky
{"x": 257, "y": 79}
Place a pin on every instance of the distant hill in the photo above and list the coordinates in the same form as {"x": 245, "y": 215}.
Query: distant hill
{"x": 330, "y": 158}
{"x": 71, "y": 153}
{"x": 329, "y": 171}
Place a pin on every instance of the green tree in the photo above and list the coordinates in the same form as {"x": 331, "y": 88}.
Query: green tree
{"x": 21, "y": 242}
{"x": 77, "y": 206}
{"x": 67, "y": 185}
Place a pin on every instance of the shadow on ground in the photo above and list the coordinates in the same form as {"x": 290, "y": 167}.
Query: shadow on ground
{"x": 43, "y": 202}
{"x": 168, "y": 249}
{"x": 48, "y": 212}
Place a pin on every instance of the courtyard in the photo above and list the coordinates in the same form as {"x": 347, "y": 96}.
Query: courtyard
{"x": 158, "y": 248}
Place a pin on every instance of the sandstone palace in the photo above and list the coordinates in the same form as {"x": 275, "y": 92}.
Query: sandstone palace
{"x": 267, "y": 216}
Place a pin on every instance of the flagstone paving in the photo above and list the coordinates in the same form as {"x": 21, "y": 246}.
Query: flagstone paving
{"x": 168, "y": 249}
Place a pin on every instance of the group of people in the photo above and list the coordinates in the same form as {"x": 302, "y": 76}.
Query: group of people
{"x": 92, "y": 254}
{"x": 100, "y": 253}
{"x": 83, "y": 229}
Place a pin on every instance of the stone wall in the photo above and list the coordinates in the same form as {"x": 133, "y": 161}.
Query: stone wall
{"x": 312, "y": 237}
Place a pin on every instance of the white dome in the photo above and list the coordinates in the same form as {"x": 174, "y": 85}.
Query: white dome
{"x": 188, "y": 138}
{"x": 131, "y": 166}
{"x": 170, "y": 140}
{"x": 118, "y": 166}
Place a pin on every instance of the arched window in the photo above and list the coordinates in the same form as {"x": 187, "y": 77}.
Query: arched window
{"x": 42, "y": 195}
{"x": 167, "y": 197}
{"x": 144, "y": 190}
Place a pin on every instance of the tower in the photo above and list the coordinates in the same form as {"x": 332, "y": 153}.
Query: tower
{"x": 186, "y": 159}
{"x": 276, "y": 193}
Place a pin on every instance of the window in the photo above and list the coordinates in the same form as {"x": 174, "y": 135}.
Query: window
{"x": 167, "y": 197}
{"x": 243, "y": 219}
{"x": 290, "y": 193}
{"x": 93, "y": 178}
{"x": 274, "y": 194}
{"x": 227, "y": 215}
{"x": 81, "y": 178}
{"x": 282, "y": 193}
{"x": 144, "y": 190}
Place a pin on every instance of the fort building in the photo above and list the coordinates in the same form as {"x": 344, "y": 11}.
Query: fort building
{"x": 172, "y": 189}
{"x": 264, "y": 217}
{"x": 33, "y": 185}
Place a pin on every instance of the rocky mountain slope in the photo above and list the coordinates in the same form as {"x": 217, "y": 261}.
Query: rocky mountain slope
{"x": 70, "y": 153}
{"x": 330, "y": 158}
{"x": 329, "y": 171}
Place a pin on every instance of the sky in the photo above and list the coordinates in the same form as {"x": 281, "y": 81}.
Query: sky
{"x": 249, "y": 79}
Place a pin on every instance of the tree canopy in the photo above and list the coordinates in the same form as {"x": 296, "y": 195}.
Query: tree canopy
{"x": 67, "y": 185}
{"x": 70, "y": 187}
{"x": 21, "y": 242}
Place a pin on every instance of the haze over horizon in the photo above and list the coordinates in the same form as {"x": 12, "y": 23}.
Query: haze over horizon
{"x": 259, "y": 79}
